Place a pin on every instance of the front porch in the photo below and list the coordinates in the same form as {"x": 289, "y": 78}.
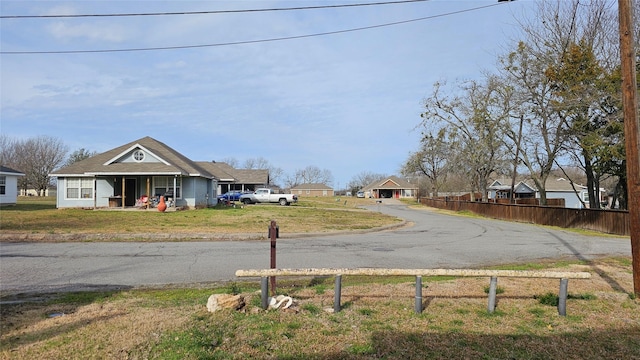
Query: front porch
{"x": 133, "y": 191}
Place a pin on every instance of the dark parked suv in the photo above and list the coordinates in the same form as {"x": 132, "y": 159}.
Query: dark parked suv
{"x": 233, "y": 195}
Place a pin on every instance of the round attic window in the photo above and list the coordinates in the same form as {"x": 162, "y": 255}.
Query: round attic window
{"x": 138, "y": 155}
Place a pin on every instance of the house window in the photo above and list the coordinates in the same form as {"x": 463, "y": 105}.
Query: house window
{"x": 164, "y": 185}
{"x": 79, "y": 188}
{"x": 3, "y": 185}
{"x": 138, "y": 155}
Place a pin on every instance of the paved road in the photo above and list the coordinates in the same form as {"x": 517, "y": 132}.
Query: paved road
{"x": 433, "y": 240}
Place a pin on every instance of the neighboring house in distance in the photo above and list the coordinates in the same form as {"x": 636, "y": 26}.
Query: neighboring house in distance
{"x": 562, "y": 188}
{"x": 522, "y": 190}
{"x": 121, "y": 176}
{"x": 556, "y": 188}
{"x": 391, "y": 187}
{"x": 9, "y": 185}
{"x": 312, "y": 190}
{"x": 229, "y": 178}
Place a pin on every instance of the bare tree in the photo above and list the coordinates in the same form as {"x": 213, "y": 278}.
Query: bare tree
{"x": 8, "y": 151}
{"x": 474, "y": 121}
{"x": 39, "y": 157}
{"x": 555, "y": 71}
{"x": 310, "y": 175}
{"x": 231, "y": 161}
{"x": 434, "y": 160}
{"x": 544, "y": 130}
{"x": 275, "y": 173}
{"x": 363, "y": 179}
{"x": 256, "y": 163}
{"x": 79, "y": 155}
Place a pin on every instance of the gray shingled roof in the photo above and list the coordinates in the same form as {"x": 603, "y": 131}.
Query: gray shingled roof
{"x": 225, "y": 172}
{"x": 391, "y": 182}
{"x": 102, "y": 164}
{"x": 222, "y": 171}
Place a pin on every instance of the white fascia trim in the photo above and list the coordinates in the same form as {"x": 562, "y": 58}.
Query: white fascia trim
{"x": 384, "y": 182}
{"x": 131, "y": 149}
{"x": 202, "y": 176}
{"x": 72, "y": 175}
{"x": 155, "y": 173}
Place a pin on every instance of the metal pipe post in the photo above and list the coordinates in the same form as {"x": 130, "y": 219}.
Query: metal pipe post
{"x": 337, "y": 294}
{"x": 264, "y": 292}
{"x": 272, "y": 235}
{"x": 418, "y": 306}
{"x": 562, "y": 297}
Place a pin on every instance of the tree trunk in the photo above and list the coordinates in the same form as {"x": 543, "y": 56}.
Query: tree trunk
{"x": 588, "y": 169}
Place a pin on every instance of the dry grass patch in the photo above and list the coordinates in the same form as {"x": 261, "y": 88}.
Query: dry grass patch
{"x": 377, "y": 321}
{"x": 40, "y": 221}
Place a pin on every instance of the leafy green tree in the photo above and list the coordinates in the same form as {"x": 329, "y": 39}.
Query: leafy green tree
{"x": 580, "y": 94}
{"x": 567, "y": 49}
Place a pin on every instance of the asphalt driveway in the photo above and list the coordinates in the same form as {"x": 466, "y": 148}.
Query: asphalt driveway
{"x": 431, "y": 240}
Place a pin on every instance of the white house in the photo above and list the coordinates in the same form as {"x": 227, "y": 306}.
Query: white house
{"x": 9, "y": 185}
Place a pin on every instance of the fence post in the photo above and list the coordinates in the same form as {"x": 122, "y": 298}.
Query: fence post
{"x": 418, "y": 306}
{"x": 562, "y": 297}
{"x": 264, "y": 292}
{"x": 273, "y": 235}
{"x": 493, "y": 284}
{"x": 337, "y": 293}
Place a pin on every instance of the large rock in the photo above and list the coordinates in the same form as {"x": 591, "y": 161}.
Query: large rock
{"x": 218, "y": 302}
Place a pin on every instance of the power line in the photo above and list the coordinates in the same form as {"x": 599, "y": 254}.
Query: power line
{"x": 209, "y": 12}
{"x": 245, "y": 41}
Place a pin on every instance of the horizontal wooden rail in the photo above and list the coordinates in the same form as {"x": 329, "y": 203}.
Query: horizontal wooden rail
{"x": 564, "y": 277}
{"x": 414, "y": 272}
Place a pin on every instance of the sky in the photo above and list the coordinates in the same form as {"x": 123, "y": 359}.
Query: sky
{"x": 348, "y": 102}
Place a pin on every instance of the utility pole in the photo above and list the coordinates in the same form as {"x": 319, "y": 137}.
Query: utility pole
{"x": 631, "y": 131}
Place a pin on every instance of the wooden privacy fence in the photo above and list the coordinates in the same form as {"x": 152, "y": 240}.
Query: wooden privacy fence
{"x": 564, "y": 277}
{"x": 606, "y": 221}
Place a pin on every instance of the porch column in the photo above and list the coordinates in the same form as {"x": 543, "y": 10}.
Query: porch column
{"x": 175, "y": 179}
{"x": 123, "y": 181}
{"x": 148, "y": 189}
{"x": 95, "y": 193}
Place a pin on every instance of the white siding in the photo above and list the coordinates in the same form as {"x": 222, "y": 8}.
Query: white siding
{"x": 10, "y": 196}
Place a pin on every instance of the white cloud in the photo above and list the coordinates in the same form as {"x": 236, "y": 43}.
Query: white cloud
{"x": 92, "y": 32}
{"x": 344, "y": 102}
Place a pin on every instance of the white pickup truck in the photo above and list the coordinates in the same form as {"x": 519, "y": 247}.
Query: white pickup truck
{"x": 268, "y": 196}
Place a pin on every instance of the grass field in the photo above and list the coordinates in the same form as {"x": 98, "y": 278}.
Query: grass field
{"x": 33, "y": 215}
{"x": 377, "y": 321}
